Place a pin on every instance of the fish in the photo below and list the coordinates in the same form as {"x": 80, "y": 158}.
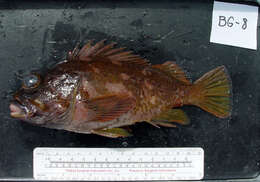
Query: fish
{"x": 102, "y": 89}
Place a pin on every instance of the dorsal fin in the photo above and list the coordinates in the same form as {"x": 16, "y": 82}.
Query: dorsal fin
{"x": 173, "y": 69}
{"x": 89, "y": 51}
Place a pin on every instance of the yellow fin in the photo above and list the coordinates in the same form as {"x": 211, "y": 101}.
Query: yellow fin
{"x": 153, "y": 124}
{"x": 173, "y": 115}
{"x": 164, "y": 124}
{"x": 174, "y": 70}
{"x": 112, "y": 132}
{"x": 213, "y": 92}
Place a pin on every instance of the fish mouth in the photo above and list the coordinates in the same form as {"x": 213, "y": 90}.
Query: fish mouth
{"x": 17, "y": 111}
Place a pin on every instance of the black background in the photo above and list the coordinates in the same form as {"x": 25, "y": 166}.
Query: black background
{"x": 37, "y": 34}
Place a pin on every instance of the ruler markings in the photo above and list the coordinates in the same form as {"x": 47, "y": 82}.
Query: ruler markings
{"x": 118, "y": 164}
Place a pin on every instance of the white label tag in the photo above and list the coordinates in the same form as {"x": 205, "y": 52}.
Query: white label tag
{"x": 118, "y": 164}
{"x": 234, "y": 24}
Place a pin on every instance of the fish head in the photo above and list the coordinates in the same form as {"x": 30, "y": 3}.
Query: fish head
{"x": 44, "y": 101}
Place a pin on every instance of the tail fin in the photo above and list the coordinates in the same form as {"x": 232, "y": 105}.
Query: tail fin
{"x": 213, "y": 92}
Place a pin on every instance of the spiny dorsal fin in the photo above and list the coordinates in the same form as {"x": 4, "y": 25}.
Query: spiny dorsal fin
{"x": 173, "y": 69}
{"x": 89, "y": 51}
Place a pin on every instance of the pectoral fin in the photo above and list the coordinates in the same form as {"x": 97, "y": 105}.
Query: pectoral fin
{"x": 173, "y": 115}
{"x": 112, "y": 132}
{"x": 109, "y": 107}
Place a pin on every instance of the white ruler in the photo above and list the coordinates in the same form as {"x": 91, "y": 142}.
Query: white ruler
{"x": 118, "y": 164}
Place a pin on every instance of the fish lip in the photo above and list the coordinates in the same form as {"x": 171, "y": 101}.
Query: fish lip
{"x": 17, "y": 110}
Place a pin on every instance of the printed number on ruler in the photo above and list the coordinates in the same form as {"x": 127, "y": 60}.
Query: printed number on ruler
{"x": 118, "y": 164}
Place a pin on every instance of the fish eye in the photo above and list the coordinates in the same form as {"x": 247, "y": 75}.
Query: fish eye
{"x": 31, "y": 81}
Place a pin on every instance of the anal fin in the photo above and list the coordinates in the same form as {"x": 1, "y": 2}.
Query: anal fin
{"x": 153, "y": 123}
{"x": 112, "y": 132}
{"x": 165, "y": 124}
{"x": 171, "y": 116}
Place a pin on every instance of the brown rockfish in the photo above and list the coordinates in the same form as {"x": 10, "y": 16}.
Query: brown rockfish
{"x": 99, "y": 89}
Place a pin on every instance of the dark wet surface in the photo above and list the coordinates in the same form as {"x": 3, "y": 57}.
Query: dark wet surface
{"x": 35, "y": 35}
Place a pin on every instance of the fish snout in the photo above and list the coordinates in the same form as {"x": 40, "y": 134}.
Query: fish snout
{"x": 17, "y": 110}
{"x": 18, "y": 107}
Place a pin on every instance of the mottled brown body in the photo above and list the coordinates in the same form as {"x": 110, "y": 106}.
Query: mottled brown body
{"x": 152, "y": 90}
{"x": 99, "y": 87}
